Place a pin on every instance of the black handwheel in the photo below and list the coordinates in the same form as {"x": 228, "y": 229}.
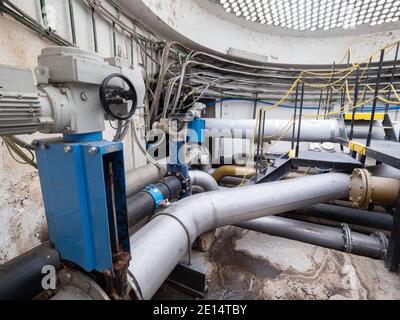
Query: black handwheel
{"x": 112, "y": 96}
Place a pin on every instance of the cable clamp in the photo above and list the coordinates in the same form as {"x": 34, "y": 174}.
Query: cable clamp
{"x": 189, "y": 242}
{"x": 156, "y": 194}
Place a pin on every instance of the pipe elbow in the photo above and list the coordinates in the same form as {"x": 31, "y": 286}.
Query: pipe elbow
{"x": 233, "y": 171}
{"x": 203, "y": 180}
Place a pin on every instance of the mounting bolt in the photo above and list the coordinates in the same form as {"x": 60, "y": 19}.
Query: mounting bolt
{"x": 93, "y": 151}
{"x": 63, "y": 91}
{"x": 68, "y": 149}
{"x": 84, "y": 95}
{"x": 68, "y": 276}
{"x": 44, "y": 146}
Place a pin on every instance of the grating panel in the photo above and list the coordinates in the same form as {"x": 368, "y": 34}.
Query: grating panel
{"x": 315, "y": 15}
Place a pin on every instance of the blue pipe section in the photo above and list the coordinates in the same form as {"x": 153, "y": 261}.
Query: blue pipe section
{"x": 156, "y": 194}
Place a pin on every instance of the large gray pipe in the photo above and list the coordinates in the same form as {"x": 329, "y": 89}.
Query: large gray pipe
{"x": 163, "y": 242}
{"x": 311, "y": 130}
{"x": 138, "y": 179}
{"x": 322, "y": 130}
{"x": 324, "y": 236}
{"x": 203, "y": 180}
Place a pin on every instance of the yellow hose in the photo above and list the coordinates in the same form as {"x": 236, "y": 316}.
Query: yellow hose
{"x": 233, "y": 171}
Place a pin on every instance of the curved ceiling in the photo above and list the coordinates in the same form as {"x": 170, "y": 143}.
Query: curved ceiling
{"x": 310, "y": 17}
{"x": 204, "y": 25}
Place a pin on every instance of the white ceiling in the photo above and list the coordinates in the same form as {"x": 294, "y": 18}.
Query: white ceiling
{"x": 310, "y": 17}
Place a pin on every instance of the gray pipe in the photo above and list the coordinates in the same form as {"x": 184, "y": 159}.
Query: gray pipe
{"x": 138, "y": 179}
{"x": 203, "y": 180}
{"x": 311, "y": 130}
{"x": 322, "y": 130}
{"x": 324, "y": 236}
{"x": 384, "y": 171}
{"x": 371, "y": 219}
{"x": 163, "y": 242}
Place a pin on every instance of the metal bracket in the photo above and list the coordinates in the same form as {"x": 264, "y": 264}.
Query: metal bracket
{"x": 156, "y": 194}
{"x": 191, "y": 279}
{"x": 358, "y": 147}
{"x": 383, "y": 241}
{"x": 348, "y": 243}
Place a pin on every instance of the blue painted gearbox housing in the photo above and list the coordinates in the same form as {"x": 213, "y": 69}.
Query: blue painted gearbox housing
{"x": 196, "y": 130}
{"x": 76, "y": 194}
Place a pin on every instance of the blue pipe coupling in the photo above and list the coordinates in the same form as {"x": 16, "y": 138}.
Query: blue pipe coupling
{"x": 156, "y": 194}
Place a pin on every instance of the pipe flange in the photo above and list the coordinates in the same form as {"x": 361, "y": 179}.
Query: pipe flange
{"x": 185, "y": 181}
{"x": 360, "y": 188}
{"x": 348, "y": 242}
{"x": 74, "y": 285}
{"x": 383, "y": 240}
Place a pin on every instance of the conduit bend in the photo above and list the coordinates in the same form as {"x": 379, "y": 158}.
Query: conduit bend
{"x": 163, "y": 242}
{"x": 203, "y": 180}
{"x": 233, "y": 171}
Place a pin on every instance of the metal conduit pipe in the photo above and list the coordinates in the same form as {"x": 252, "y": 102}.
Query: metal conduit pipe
{"x": 363, "y": 218}
{"x": 233, "y": 171}
{"x": 335, "y": 224}
{"x": 322, "y": 130}
{"x": 374, "y": 246}
{"x": 366, "y": 189}
{"x": 232, "y": 182}
{"x": 144, "y": 204}
{"x": 311, "y": 130}
{"x": 384, "y": 171}
{"x": 164, "y": 241}
{"x": 203, "y": 180}
{"x": 138, "y": 179}
{"x": 21, "y": 277}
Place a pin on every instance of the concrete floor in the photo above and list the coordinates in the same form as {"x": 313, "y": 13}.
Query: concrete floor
{"x": 248, "y": 265}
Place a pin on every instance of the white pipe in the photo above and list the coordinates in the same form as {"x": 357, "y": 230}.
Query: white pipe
{"x": 138, "y": 179}
{"x": 162, "y": 243}
{"x": 311, "y": 130}
{"x": 203, "y": 180}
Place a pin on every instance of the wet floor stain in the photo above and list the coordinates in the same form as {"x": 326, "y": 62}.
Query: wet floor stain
{"x": 249, "y": 265}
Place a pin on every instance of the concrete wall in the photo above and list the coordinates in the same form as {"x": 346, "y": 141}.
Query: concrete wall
{"x": 21, "y": 212}
{"x": 200, "y": 23}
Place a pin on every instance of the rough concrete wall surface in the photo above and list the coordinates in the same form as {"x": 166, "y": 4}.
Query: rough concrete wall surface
{"x": 198, "y": 22}
{"x": 21, "y": 207}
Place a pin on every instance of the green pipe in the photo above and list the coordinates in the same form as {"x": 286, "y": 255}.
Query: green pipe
{"x": 15, "y": 13}
{"x": 44, "y": 13}
{"x": 255, "y": 106}
{"x": 132, "y": 42}
{"x": 94, "y": 31}
{"x": 72, "y": 20}
{"x": 114, "y": 41}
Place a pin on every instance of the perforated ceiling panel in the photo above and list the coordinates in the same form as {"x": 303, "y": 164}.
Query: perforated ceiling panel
{"x": 312, "y": 15}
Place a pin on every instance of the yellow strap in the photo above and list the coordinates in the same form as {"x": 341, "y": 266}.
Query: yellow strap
{"x": 358, "y": 147}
